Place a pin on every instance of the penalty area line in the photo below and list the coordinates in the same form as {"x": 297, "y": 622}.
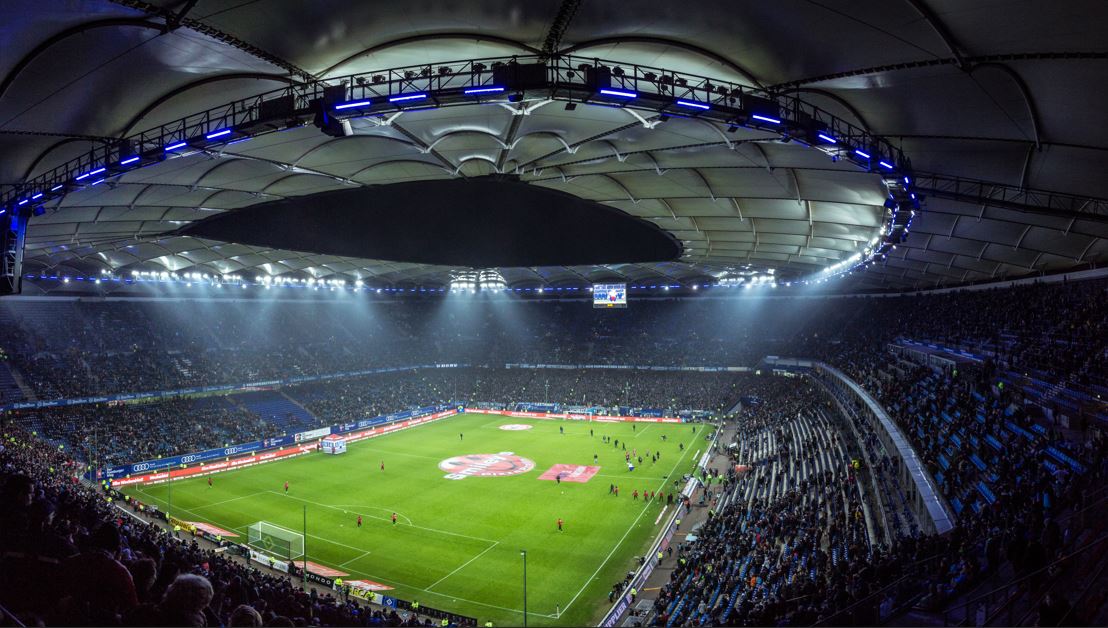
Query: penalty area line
{"x": 412, "y": 525}
{"x": 463, "y": 565}
{"x": 367, "y": 552}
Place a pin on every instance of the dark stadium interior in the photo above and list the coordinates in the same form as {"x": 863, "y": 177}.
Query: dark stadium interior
{"x": 855, "y": 251}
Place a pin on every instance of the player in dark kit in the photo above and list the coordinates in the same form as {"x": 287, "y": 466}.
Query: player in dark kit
{"x": 286, "y": 487}
{"x": 359, "y": 521}
{"x": 209, "y": 481}
{"x": 559, "y": 524}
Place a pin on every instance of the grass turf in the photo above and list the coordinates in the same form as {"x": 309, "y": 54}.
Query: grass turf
{"x": 457, "y": 543}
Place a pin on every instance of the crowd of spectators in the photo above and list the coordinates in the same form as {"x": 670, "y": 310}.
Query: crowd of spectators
{"x": 797, "y": 540}
{"x": 104, "y": 435}
{"x": 108, "y": 434}
{"x": 1011, "y": 481}
{"x": 76, "y": 348}
{"x": 67, "y": 557}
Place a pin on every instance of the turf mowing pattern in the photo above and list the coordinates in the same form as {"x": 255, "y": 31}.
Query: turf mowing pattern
{"x": 456, "y": 545}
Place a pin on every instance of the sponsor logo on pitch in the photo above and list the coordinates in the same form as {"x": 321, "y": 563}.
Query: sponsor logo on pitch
{"x": 485, "y": 465}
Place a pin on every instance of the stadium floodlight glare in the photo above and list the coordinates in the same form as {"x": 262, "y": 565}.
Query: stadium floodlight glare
{"x": 827, "y": 138}
{"x": 354, "y": 104}
{"x": 692, "y": 104}
{"x": 175, "y": 146}
{"x": 482, "y": 90}
{"x": 129, "y": 160}
{"x": 217, "y": 134}
{"x": 768, "y": 119}
{"x": 861, "y": 153}
{"x": 406, "y": 97}
{"x": 619, "y": 93}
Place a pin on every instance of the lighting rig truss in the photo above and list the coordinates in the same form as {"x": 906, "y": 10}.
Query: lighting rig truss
{"x": 329, "y": 105}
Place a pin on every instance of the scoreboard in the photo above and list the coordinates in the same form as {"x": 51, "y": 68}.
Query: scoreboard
{"x": 609, "y": 295}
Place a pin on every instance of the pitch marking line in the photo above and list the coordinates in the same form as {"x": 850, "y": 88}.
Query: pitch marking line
{"x": 240, "y": 528}
{"x": 638, "y": 434}
{"x": 622, "y": 539}
{"x": 437, "y": 582}
{"x": 399, "y": 514}
{"x": 354, "y": 559}
{"x": 227, "y": 501}
{"x": 447, "y": 532}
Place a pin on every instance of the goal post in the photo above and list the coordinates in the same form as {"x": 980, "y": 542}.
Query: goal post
{"x": 275, "y": 540}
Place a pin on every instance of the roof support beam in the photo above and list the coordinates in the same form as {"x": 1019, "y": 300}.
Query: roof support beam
{"x": 170, "y": 95}
{"x": 429, "y": 37}
{"x": 940, "y": 29}
{"x": 79, "y": 29}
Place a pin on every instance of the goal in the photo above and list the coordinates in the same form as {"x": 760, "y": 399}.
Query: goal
{"x": 275, "y": 540}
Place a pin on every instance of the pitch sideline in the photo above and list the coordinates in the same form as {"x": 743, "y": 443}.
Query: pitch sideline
{"x": 623, "y": 538}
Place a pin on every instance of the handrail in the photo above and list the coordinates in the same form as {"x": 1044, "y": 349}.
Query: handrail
{"x": 7, "y": 616}
{"x": 976, "y": 600}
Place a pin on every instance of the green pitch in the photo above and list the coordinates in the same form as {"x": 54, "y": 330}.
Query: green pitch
{"x": 456, "y": 544}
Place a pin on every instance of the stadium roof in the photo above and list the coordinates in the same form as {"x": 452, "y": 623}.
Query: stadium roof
{"x": 992, "y": 103}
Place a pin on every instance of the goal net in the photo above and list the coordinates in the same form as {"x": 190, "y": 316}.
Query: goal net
{"x": 275, "y": 540}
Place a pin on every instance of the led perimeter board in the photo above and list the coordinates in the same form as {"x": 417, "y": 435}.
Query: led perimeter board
{"x": 608, "y": 295}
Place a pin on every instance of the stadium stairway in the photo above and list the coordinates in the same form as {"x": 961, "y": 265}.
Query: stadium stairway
{"x": 11, "y": 389}
{"x": 277, "y": 408}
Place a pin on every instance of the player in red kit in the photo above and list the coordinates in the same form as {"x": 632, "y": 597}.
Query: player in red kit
{"x": 286, "y": 487}
{"x": 209, "y": 481}
{"x": 559, "y": 524}
{"x": 394, "y": 518}
{"x": 382, "y": 465}
{"x": 359, "y": 521}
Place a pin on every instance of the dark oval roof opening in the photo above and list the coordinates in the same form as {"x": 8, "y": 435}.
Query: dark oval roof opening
{"x": 482, "y": 222}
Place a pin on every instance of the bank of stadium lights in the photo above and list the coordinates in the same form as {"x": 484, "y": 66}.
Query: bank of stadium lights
{"x": 836, "y": 139}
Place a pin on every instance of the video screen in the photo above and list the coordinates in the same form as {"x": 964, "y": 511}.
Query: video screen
{"x": 609, "y": 295}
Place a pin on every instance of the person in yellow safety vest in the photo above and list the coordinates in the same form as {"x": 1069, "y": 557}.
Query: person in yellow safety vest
{"x": 176, "y": 530}
{"x": 488, "y": 624}
{"x": 415, "y": 605}
{"x": 445, "y": 622}
{"x": 633, "y": 593}
{"x": 660, "y": 556}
